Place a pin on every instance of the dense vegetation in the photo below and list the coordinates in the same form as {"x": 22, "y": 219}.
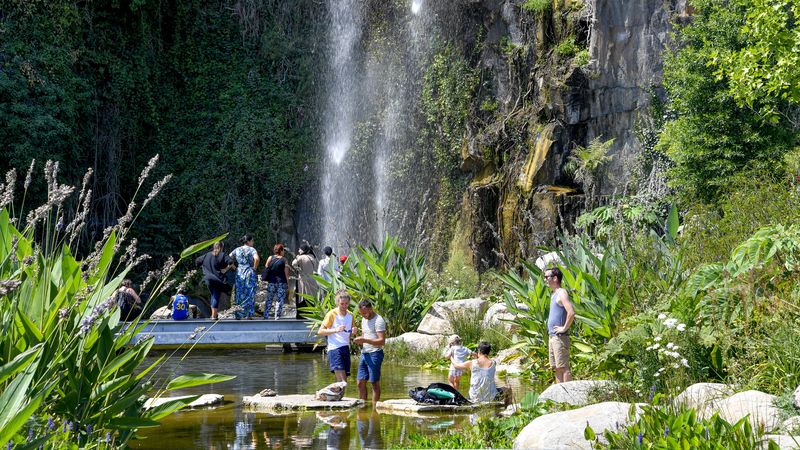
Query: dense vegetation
{"x": 223, "y": 91}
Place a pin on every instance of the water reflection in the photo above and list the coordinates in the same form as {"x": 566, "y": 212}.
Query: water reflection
{"x": 232, "y": 427}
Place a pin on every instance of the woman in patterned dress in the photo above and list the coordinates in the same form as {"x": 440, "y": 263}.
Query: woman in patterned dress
{"x": 246, "y": 258}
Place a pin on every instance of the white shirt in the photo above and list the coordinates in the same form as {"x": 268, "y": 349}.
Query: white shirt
{"x": 327, "y": 266}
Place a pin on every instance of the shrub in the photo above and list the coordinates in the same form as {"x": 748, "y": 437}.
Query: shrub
{"x": 668, "y": 427}
{"x": 66, "y": 359}
{"x": 538, "y": 6}
{"x": 582, "y": 57}
{"x": 567, "y": 48}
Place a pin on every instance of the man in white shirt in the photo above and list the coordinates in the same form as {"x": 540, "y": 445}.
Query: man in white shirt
{"x": 373, "y": 337}
{"x": 328, "y": 265}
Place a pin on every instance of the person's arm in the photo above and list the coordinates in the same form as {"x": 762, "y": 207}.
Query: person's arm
{"x": 563, "y": 300}
{"x": 325, "y": 327}
{"x": 286, "y": 269}
{"x": 320, "y": 268}
{"x": 199, "y": 260}
{"x": 256, "y": 260}
{"x": 380, "y": 330}
{"x": 134, "y": 295}
{"x": 466, "y": 365}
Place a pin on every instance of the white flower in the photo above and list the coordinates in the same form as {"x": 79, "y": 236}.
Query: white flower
{"x": 656, "y": 346}
{"x": 675, "y": 365}
{"x": 684, "y": 363}
{"x": 662, "y": 316}
{"x": 657, "y": 338}
{"x": 670, "y": 323}
{"x": 661, "y": 370}
{"x": 681, "y": 327}
{"x": 657, "y": 374}
{"x": 670, "y": 345}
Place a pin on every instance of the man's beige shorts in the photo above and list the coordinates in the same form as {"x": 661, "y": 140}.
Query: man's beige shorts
{"x": 558, "y": 348}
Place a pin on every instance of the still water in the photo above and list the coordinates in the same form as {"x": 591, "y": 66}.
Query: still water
{"x": 230, "y": 427}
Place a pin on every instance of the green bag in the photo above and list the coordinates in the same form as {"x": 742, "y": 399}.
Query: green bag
{"x": 441, "y": 394}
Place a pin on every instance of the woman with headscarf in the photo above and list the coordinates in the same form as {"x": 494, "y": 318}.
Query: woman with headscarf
{"x": 305, "y": 264}
{"x": 246, "y": 258}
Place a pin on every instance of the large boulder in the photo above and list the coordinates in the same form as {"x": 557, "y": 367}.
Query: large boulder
{"x": 564, "y": 430}
{"x": 785, "y": 442}
{"x": 704, "y": 397}
{"x": 575, "y": 393}
{"x": 498, "y": 314}
{"x": 418, "y": 342}
{"x": 438, "y": 318}
{"x": 759, "y": 406}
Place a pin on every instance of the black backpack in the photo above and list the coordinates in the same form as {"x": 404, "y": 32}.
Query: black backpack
{"x": 420, "y": 395}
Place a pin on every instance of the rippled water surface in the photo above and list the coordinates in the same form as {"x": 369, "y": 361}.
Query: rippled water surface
{"x": 229, "y": 426}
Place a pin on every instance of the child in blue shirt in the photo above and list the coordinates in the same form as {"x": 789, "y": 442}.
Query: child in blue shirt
{"x": 456, "y": 353}
{"x": 180, "y": 305}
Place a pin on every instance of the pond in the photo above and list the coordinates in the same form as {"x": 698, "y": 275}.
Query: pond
{"x": 229, "y": 426}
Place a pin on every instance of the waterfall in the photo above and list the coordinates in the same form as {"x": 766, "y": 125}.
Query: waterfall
{"x": 338, "y": 186}
{"x": 371, "y": 91}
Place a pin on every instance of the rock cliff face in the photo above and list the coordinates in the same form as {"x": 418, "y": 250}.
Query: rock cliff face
{"x": 559, "y": 79}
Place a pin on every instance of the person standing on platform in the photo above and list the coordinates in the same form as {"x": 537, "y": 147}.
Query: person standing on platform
{"x": 246, "y": 258}
{"x": 213, "y": 263}
{"x": 328, "y": 265}
{"x": 305, "y": 264}
{"x": 276, "y": 274}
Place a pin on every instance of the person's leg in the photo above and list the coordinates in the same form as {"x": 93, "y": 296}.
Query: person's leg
{"x": 340, "y": 375}
{"x": 561, "y": 356}
{"x": 452, "y": 380}
{"x": 362, "y": 376}
{"x": 215, "y": 294}
{"x": 281, "y": 289}
{"x": 271, "y": 290}
{"x": 374, "y": 363}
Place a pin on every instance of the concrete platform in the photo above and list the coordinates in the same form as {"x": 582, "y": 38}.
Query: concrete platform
{"x": 297, "y": 402}
{"x": 228, "y": 332}
{"x": 409, "y": 407}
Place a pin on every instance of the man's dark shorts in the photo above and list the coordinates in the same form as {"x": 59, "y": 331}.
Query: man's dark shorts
{"x": 369, "y": 367}
{"x": 339, "y": 359}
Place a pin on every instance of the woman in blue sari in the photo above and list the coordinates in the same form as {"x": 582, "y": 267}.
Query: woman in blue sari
{"x": 246, "y": 258}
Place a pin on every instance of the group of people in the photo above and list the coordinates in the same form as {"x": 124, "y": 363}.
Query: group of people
{"x": 339, "y": 327}
{"x": 244, "y": 262}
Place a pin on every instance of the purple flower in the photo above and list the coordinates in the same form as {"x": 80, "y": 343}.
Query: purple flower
{"x": 652, "y": 393}
{"x": 89, "y": 429}
{"x": 71, "y": 426}
{"x": 108, "y": 437}
{"x": 666, "y": 431}
{"x": 64, "y": 428}
{"x": 639, "y": 438}
{"x": 706, "y": 432}
{"x": 10, "y": 445}
{"x": 30, "y": 434}
{"x": 50, "y": 424}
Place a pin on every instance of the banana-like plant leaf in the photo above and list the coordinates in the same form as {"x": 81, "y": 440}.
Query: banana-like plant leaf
{"x": 197, "y": 379}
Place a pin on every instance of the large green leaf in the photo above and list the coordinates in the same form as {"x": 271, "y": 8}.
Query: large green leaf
{"x": 194, "y": 248}
{"x": 673, "y": 223}
{"x": 197, "y": 379}
{"x": 170, "y": 407}
{"x": 20, "y": 362}
{"x": 12, "y": 402}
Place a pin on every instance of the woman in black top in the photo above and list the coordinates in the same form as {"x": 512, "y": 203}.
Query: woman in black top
{"x": 276, "y": 275}
{"x": 213, "y": 263}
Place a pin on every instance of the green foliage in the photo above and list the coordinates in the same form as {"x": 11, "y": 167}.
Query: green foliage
{"x": 64, "y": 354}
{"x": 567, "y": 47}
{"x": 666, "y": 427}
{"x": 710, "y": 137}
{"x": 538, "y": 6}
{"x": 762, "y": 74}
{"x": 712, "y": 232}
{"x": 489, "y": 432}
{"x": 585, "y": 163}
{"x": 388, "y": 276}
{"x": 582, "y": 57}
{"x": 227, "y": 93}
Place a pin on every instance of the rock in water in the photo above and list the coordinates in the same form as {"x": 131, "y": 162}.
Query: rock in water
{"x": 332, "y": 392}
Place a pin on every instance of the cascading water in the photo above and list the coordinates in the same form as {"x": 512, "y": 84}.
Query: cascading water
{"x": 370, "y": 125}
{"x": 338, "y": 186}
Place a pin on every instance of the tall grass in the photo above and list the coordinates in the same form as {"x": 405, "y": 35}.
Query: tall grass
{"x": 68, "y": 365}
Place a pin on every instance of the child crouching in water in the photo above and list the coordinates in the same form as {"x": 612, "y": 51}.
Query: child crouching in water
{"x": 457, "y": 354}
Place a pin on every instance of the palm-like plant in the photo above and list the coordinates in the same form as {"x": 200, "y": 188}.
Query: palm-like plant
{"x": 585, "y": 163}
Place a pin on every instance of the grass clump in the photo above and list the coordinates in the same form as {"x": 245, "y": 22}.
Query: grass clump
{"x": 567, "y": 48}
{"x": 538, "y": 6}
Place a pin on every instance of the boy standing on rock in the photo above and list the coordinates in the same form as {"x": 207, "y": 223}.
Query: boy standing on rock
{"x": 373, "y": 338}
{"x": 558, "y": 322}
{"x": 338, "y": 326}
